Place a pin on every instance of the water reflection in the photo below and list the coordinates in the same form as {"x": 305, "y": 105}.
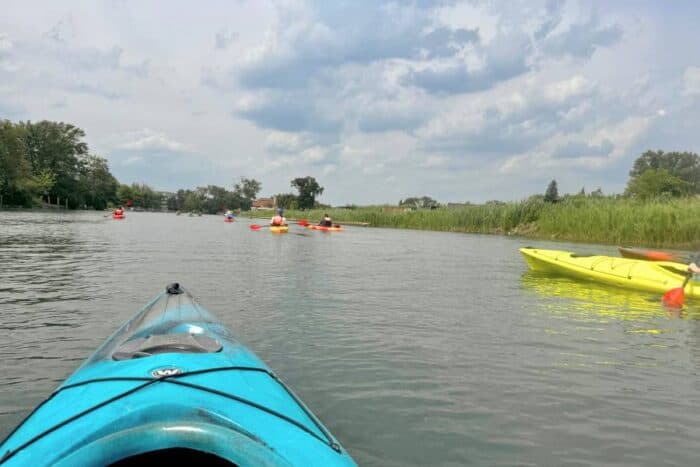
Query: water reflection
{"x": 589, "y": 301}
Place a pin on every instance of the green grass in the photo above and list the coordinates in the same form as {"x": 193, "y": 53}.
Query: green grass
{"x": 670, "y": 223}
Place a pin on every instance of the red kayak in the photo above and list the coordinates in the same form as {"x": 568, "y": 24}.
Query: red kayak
{"x": 118, "y": 216}
{"x": 651, "y": 255}
{"x": 228, "y": 219}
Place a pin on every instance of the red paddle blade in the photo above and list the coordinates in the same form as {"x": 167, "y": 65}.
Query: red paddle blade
{"x": 303, "y": 222}
{"x": 674, "y": 298}
{"x": 255, "y": 227}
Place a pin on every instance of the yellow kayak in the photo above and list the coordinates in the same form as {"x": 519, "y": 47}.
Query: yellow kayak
{"x": 651, "y": 276}
{"x": 279, "y": 228}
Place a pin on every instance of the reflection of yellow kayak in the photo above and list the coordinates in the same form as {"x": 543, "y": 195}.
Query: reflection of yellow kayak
{"x": 279, "y": 228}
{"x": 622, "y": 272}
{"x": 591, "y": 302}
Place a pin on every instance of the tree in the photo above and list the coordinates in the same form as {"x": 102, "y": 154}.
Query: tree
{"x": 15, "y": 170}
{"x": 98, "y": 185}
{"x": 246, "y": 191}
{"x": 424, "y": 202}
{"x": 683, "y": 165}
{"x": 57, "y": 147}
{"x": 308, "y": 189}
{"x": 552, "y": 194}
{"x": 286, "y": 201}
{"x": 657, "y": 182}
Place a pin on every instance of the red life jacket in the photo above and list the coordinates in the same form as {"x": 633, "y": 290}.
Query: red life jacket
{"x": 277, "y": 220}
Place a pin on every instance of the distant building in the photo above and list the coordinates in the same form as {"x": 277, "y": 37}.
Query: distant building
{"x": 263, "y": 203}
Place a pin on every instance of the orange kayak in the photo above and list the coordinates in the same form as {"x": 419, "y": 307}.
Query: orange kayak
{"x": 651, "y": 255}
{"x": 335, "y": 228}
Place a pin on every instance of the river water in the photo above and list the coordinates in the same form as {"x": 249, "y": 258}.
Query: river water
{"x": 414, "y": 348}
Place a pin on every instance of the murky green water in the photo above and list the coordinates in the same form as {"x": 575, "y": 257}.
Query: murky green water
{"x": 414, "y": 348}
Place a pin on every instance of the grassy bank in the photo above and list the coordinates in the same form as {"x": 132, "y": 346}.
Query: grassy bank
{"x": 673, "y": 223}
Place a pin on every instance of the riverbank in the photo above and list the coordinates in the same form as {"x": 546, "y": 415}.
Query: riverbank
{"x": 673, "y": 223}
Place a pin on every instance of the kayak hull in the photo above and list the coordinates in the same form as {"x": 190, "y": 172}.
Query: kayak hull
{"x": 228, "y": 219}
{"x": 325, "y": 229}
{"x": 658, "y": 277}
{"x": 172, "y": 378}
{"x": 279, "y": 228}
{"x": 118, "y": 216}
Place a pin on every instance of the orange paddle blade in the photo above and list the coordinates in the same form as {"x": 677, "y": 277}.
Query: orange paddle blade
{"x": 303, "y": 222}
{"x": 255, "y": 227}
{"x": 674, "y": 298}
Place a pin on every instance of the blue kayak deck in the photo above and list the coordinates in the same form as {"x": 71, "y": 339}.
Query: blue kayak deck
{"x": 182, "y": 380}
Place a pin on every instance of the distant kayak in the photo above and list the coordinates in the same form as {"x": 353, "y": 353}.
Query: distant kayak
{"x": 279, "y": 228}
{"x": 172, "y": 386}
{"x": 335, "y": 228}
{"x": 650, "y": 255}
{"x": 652, "y": 276}
{"x": 228, "y": 219}
{"x": 118, "y": 216}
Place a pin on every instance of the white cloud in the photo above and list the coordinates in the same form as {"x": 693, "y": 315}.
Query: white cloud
{"x": 147, "y": 139}
{"x": 561, "y": 91}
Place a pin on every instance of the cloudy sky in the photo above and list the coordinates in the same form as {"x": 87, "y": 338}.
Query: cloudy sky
{"x": 462, "y": 101}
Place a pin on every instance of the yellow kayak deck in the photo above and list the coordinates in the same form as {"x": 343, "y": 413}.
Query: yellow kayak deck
{"x": 279, "y": 228}
{"x": 651, "y": 276}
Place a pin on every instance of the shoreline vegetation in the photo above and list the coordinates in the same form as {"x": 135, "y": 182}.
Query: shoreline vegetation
{"x": 661, "y": 223}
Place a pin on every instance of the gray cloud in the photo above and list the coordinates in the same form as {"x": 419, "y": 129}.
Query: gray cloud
{"x": 575, "y": 149}
{"x": 348, "y": 33}
{"x": 504, "y": 58}
{"x": 553, "y": 17}
{"x": 292, "y": 113}
{"x": 582, "y": 39}
{"x": 506, "y": 130}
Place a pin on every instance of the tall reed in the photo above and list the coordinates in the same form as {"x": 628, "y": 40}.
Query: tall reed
{"x": 656, "y": 223}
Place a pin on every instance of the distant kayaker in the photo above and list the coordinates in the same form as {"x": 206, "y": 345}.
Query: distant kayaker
{"x": 229, "y": 214}
{"x": 119, "y": 211}
{"x": 279, "y": 218}
{"x": 326, "y": 221}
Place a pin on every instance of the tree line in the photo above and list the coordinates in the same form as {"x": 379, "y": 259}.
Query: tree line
{"x": 654, "y": 174}
{"x": 49, "y": 162}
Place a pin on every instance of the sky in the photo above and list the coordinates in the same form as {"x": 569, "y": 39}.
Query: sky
{"x": 379, "y": 101}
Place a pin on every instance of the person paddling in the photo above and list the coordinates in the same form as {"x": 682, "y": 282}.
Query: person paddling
{"x": 279, "y": 219}
{"x": 119, "y": 211}
{"x": 326, "y": 221}
{"x": 229, "y": 214}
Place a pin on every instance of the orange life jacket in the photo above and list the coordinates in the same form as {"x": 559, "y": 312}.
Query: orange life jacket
{"x": 277, "y": 220}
